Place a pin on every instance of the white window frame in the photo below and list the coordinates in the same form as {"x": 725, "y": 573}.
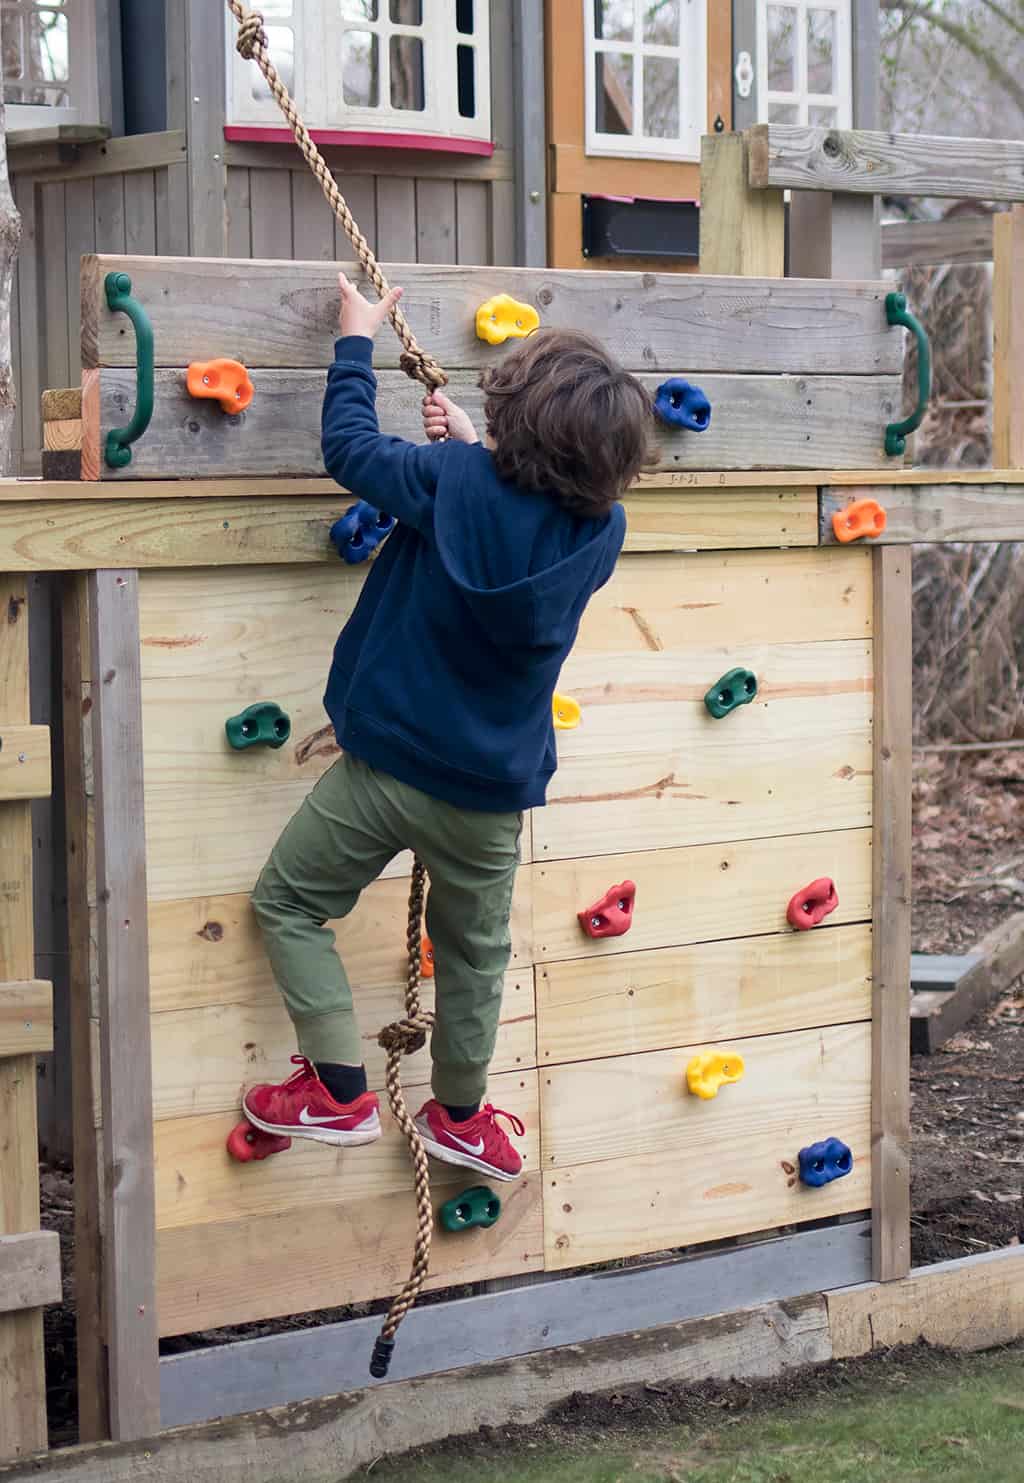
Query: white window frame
{"x": 692, "y": 54}
{"x": 83, "y": 80}
{"x": 319, "y": 29}
{"x": 841, "y": 101}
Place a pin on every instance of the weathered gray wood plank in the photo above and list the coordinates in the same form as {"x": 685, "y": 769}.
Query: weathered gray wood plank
{"x": 55, "y": 349}
{"x": 361, "y": 195}
{"x": 653, "y": 323}
{"x": 239, "y": 217}
{"x": 110, "y": 213}
{"x": 140, "y": 212}
{"x": 784, "y": 422}
{"x": 312, "y": 219}
{"x": 270, "y": 203}
{"x": 935, "y": 512}
{"x": 960, "y": 239}
{"x": 129, "y": 1236}
{"x": 205, "y": 107}
{"x": 29, "y": 1270}
{"x": 995, "y": 963}
{"x": 435, "y": 221}
{"x": 80, "y": 227}
{"x": 472, "y": 213}
{"x": 302, "y": 1364}
{"x": 797, "y": 157}
{"x": 396, "y": 220}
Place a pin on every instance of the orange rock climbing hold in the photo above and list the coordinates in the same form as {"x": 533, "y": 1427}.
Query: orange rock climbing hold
{"x": 865, "y": 517}
{"x": 223, "y": 381}
{"x": 426, "y": 956}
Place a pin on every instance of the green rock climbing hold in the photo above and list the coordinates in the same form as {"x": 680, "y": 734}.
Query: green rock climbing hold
{"x": 264, "y": 724}
{"x": 474, "y": 1207}
{"x": 736, "y": 688}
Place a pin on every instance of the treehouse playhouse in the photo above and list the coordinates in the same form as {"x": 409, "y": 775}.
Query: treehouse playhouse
{"x": 704, "y": 1026}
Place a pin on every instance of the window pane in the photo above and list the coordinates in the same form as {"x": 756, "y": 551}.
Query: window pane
{"x": 661, "y": 98}
{"x": 281, "y": 41}
{"x": 661, "y": 22}
{"x": 822, "y": 118}
{"x": 14, "y": 60}
{"x": 360, "y": 69}
{"x": 276, "y": 10}
{"x": 783, "y": 113}
{"x": 47, "y": 59}
{"x": 464, "y": 17}
{"x": 466, "y": 63}
{"x": 821, "y": 51}
{"x": 613, "y": 20}
{"x": 407, "y": 12}
{"x": 359, "y": 10}
{"x": 614, "y": 93}
{"x": 781, "y": 49}
{"x": 407, "y": 72}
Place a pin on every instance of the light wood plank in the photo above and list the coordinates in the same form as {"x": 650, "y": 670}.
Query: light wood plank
{"x": 1008, "y": 338}
{"x": 24, "y": 762}
{"x": 126, "y": 1073}
{"x": 200, "y": 305}
{"x": 648, "y": 767}
{"x": 208, "y": 950}
{"x": 698, "y": 893}
{"x": 935, "y": 512}
{"x": 720, "y": 1168}
{"x": 326, "y": 1255}
{"x": 29, "y": 1271}
{"x": 684, "y": 996}
{"x": 742, "y": 231}
{"x": 26, "y": 1018}
{"x": 728, "y": 519}
{"x": 197, "y": 1183}
{"x": 891, "y": 886}
{"x": 780, "y": 422}
{"x": 63, "y": 436}
{"x": 798, "y": 157}
{"x": 957, "y": 240}
{"x": 204, "y": 1058}
{"x": 675, "y": 603}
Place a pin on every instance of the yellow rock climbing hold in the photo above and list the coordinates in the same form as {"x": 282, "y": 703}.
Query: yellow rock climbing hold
{"x": 712, "y": 1069}
{"x": 565, "y": 712}
{"x": 503, "y": 318}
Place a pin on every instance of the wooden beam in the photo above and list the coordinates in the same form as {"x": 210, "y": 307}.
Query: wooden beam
{"x": 936, "y": 512}
{"x": 130, "y": 1317}
{"x": 995, "y": 963}
{"x": 62, "y": 405}
{"x": 742, "y": 231}
{"x": 1008, "y": 338}
{"x": 24, "y": 762}
{"x": 26, "y": 1018}
{"x": 833, "y": 235}
{"x": 205, "y": 113}
{"x": 22, "y": 1380}
{"x": 655, "y": 322}
{"x": 29, "y": 1271}
{"x": 782, "y": 422}
{"x": 890, "y": 1057}
{"x": 797, "y": 157}
{"x": 958, "y": 240}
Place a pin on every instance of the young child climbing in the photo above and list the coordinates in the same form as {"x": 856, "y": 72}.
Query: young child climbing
{"x": 440, "y": 694}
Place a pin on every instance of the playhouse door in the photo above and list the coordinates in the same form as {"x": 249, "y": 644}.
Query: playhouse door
{"x": 632, "y": 85}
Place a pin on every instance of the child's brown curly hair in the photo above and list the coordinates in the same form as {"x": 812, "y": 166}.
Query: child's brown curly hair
{"x": 566, "y": 418}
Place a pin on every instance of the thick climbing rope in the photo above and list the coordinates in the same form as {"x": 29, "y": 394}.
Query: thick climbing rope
{"x": 409, "y": 1034}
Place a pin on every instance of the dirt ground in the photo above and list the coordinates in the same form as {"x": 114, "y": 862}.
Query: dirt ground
{"x": 967, "y": 1106}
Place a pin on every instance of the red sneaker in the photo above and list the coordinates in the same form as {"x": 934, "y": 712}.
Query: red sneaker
{"x": 302, "y": 1107}
{"x": 478, "y": 1143}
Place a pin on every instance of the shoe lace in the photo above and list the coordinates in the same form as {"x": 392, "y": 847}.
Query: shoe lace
{"x": 306, "y": 1069}
{"x": 493, "y": 1113}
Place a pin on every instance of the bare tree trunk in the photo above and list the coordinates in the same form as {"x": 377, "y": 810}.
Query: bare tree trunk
{"x": 10, "y": 237}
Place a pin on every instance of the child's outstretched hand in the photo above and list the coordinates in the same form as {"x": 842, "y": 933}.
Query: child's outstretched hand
{"x": 358, "y": 316}
{"x": 443, "y": 419}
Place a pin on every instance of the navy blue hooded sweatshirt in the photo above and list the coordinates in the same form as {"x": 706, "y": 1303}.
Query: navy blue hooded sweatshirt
{"x": 445, "y": 672}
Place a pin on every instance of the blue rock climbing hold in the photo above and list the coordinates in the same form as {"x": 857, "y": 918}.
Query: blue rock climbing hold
{"x": 680, "y": 404}
{"x": 360, "y": 531}
{"x": 820, "y": 1163}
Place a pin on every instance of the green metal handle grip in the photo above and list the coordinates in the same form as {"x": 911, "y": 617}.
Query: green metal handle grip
{"x": 118, "y": 452}
{"x": 896, "y": 312}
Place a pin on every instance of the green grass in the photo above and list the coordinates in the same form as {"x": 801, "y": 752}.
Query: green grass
{"x": 959, "y": 1419}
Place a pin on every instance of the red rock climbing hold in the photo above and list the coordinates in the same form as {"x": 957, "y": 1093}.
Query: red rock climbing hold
{"x": 246, "y": 1143}
{"x": 612, "y": 915}
{"x": 812, "y": 905}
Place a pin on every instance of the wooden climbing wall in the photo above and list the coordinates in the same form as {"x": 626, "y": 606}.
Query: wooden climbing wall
{"x": 718, "y": 822}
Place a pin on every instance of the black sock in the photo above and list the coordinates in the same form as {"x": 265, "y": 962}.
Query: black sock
{"x": 461, "y": 1114}
{"x": 345, "y": 1083}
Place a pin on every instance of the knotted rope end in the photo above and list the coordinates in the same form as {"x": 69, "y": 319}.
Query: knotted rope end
{"x": 250, "y": 35}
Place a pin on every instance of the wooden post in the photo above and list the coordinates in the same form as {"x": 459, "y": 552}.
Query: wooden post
{"x": 22, "y": 1381}
{"x": 834, "y": 236}
{"x": 1008, "y": 340}
{"x": 742, "y": 231}
{"x": 890, "y": 996}
{"x": 129, "y": 1236}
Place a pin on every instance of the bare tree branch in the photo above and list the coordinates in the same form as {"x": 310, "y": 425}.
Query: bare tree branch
{"x": 985, "y": 55}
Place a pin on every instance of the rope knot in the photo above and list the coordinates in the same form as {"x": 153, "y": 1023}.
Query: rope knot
{"x": 420, "y": 365}
{"x": 407, "y": 1036}
{"x": 251, "y": 35}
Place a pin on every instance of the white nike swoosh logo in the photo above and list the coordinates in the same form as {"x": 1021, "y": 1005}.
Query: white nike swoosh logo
{"x": 305, "y": 1116}
{"x": 475, "y": 1148}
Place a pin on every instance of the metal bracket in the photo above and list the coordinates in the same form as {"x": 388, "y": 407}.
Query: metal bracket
{"x": 744, "y": 74}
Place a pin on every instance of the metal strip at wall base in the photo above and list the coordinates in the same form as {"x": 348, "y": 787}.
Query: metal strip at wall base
{"x": 304, "y": 1364}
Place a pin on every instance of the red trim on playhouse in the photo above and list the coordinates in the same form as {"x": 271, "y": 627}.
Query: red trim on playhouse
{"x": 363, "y": 139}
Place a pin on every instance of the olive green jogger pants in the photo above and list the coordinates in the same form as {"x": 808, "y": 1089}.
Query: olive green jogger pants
{"x": 351, "y": 825}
